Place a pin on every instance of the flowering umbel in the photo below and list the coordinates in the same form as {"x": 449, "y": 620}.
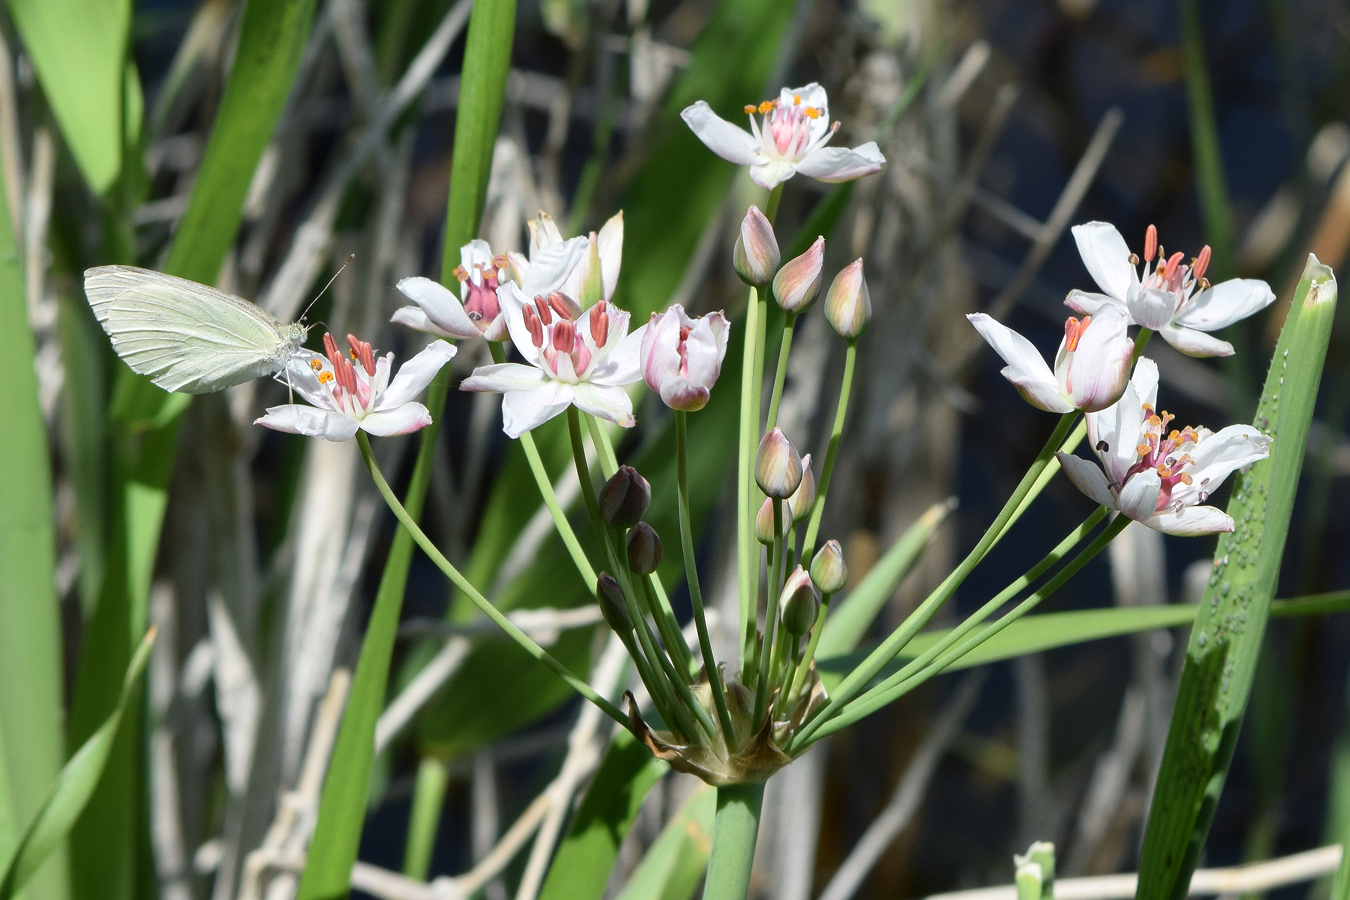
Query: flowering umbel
{"x": 1167, "y": 295}
{"x": 789, "y": 137}
{"x": 1155, "y": 476}
{"x": 356, "y": 394}
{"x": 1091, "y": 367}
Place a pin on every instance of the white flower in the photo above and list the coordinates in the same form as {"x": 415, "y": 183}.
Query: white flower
{"x": 1169, "y": 297}
{"x": 789, "y": 138}
{"x": 1091, "y": 367}
{"x": 1155, "y": 476}
{"x": 477, "y": 311}
{"x": 574, "y": 357}
{"x": 597, "y": 271}
{"x": 346, "y": 397}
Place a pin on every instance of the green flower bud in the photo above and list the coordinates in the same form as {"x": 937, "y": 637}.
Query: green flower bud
{"x": 756, "y": 256}
{"x": 799, "y": 603}
{"x": 612, "y": 605}
{"x": 827, "y": 568}
{"x": 624, "y": 498}
{"x": 644, "y": 549}
{"x": 848, "y": 305}
{"x": 805, "y": 496}
{"x": 797, "y": 284}
{"x": 764, "y": 521}
{"x": 778, "y": 467}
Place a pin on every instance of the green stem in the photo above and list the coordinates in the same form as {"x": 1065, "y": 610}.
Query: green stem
{"x": 766, "y": 648}
{"x": 745, "y": 479}
{"x": 858, "y": 679}
{"x": 691, "y": 576}
{"x": 735, "y": 830}
{"x": 823, "y": 489}
{"x": 604, "y": 447}
{"x": 676, "y": 648}
{"x": 569, "y": 537}
{"x": 805, "y": 665}
{"x": 520, "y": 637}
{"x": 681, "y": 679}
{"x": 780, "y": 373}
{"x": 875, "y": 700}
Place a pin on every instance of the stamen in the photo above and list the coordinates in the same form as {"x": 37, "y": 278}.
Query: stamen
{"x": 600, "y": 323}
{"x": 1201, "y": 264}
{"x": 316, "y": 366}
{"x": 1143, "y": 449}
{"x": 796, "y": 99}
{"x": 331, "y": 349}
{"x": 1073, "y": 331}
{"x": 325, "y": 377}
{"x": 364, "y": 352}
{"x": 542, "y": 306}
{"x": 767, "y": 107}
{"x": 534, "y": 326}
{"x": 812, "y": 112}
{"x": 1150, "y": 243}
{"x": 1134, "y": 259}
{"x": 564, "y": 306}
{"x": 1173, "y": 262}
{"x": 461, "y": 274}
{"x": 750, "y": 109}
{"x": 564, "y": 337}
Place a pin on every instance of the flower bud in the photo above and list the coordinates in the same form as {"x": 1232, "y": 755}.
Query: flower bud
{"x": 625, "y": 498}
{"x": 805, "y": 497}
{"x": 778, "y": 467}
{"x": 798, "y": 605}
{"x": 764, "y": 532}
{"x": 756, "y": 256}
{"x": 644, "y": 549}
{"x": 827, "y": 568}
{"x": 612, "y": 605}
{"x": 848, "y": 305}
{"x": 797, "y": 284}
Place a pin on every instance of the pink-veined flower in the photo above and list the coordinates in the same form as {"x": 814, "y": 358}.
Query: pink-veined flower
{"x": 789, "y": 137}
{"x": 1091, "y": 367}
{"x": 1155, "y": 476}
{"x": 682, "y": 357}
{"x": 350, "y": 394}
{"x": 1167, "y": 295}
{"x": 477, "y": 311}
{"x": 596, "y": 273}
{"x": 573, "y": 357}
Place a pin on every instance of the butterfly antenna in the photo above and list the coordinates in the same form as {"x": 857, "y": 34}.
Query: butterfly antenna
{"x": 327, "y": 286}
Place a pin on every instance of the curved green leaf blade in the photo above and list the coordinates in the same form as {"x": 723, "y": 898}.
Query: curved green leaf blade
{"x": 77, "y": 48}
{"x": 674, "y": 864}
{"x": 1226, "y": 640}
{"x": 73, "y": 788}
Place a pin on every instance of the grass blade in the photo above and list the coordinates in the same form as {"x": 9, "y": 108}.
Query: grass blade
{"x": 31, "y": 745}
{"x": 1226, "y": 640}
{"x": 341, "y": 815}
{"x": 73, "y": 788}
{"x": 77, "y": 49}
{"x": 673, "y": 866}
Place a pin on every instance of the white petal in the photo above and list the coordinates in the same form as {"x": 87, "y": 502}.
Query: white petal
{"x": 1087, "y": 477}
{"x": 1138, "y": 497}
{"x": 550, "y": 266}
{"x": 1145, "y": 382}
{"x": 831, "y": 164}
{"x": 503, "y": 378}
{"x": 1225, "y": 303}
{"x": 721, "y": 137}
{"x": 523, "y": 411}
{"x": 444, "y": 311}
{"x": 403, "y": 419}
{"x": 660, "y": 356}
{"x": 1088, "y": 304}
{"x": 1191, "y": 521}
{"x": 810, "y": 95}
{"x": 771, "y": 174}
{"x": 623, "y": 363}
{"x": 609, "y": 242}
{"x": 1026, "y": 369}
{"x": 1217, "y": 456}
{"x": 1106, "y": 256}
{"x": 413, "y": 317}
{"x": 1100, "y": 368}
{"x": 415, "y": 374}
{"x": 1150, "y": 308}
{"x": 611, "y": 403}
{"x": 512, "y": 302}
{"x": 309, "y": 421}
{"x": 543, "y": 233}
{"x": 1195, "y": 343}
{"x": 302, "y": 377}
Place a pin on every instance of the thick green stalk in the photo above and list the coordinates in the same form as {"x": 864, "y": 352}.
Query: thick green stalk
{"x": 735, "y": 830}
{"x": 521, "y": 638}
{"x": 745, "y": 478}
{"x": 870, "y": 703}
{"x": 852, "y": 685}
{"x": 691, "y": 575}
{"x": 836, "y": 431}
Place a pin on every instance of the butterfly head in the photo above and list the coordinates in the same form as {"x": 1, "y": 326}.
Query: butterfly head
{"x": 296, "y": 334}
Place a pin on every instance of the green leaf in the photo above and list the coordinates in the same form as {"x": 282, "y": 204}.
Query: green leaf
{"x": 1226, "y": 640}
{"x": 673, "y": 865}
{"x": 72, "y": 790}
{"x": 581, "y": 867}
{"x": 342, "y": 806}
{"x": 31, "y": 745}
{"x": 77, "y": 48}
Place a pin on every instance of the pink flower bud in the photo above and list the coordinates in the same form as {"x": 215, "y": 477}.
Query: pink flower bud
{"x": 827, "y": 568}
{"x": 848, "y": 305}
{"x": 778, "y": 467}
{"x": 805, "y": 497}
{"x": 797, "y": 284}
{"x": 644, "y": 549}
{"x": 624, "y": 498}
{"x": 612, "y": 605}
{"x": 682, "y": 357}
{"x": 799, "y": 604}
{"x": 756, "y": 255}
{"x": 764, "y": 532}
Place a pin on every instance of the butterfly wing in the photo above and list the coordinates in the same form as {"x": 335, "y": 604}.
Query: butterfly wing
{"x": 185, "y": 336}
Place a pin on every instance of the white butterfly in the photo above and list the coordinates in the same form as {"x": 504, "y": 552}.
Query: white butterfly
{"x": 186, "y": 336}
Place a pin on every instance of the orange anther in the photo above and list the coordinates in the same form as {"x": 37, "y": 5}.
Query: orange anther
{"x": 750, "y": 108}
{"x": 1073, "y": 331}
{"x": 325, "y": 377}
{"x": 767, "y": 107}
